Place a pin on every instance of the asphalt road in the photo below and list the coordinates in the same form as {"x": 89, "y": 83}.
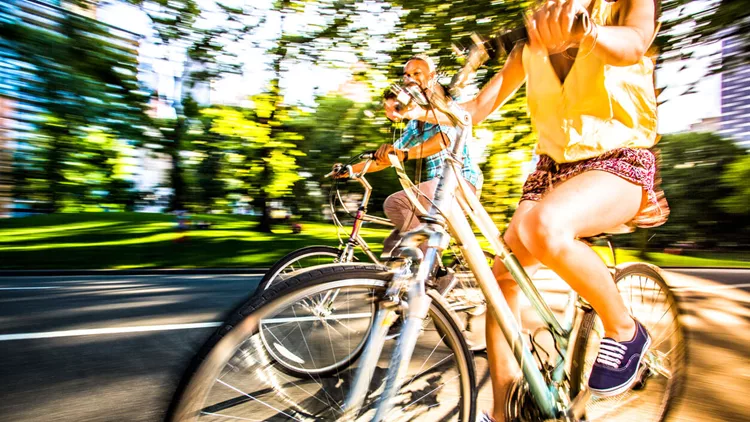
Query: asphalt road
{"x": 112, "y": 348}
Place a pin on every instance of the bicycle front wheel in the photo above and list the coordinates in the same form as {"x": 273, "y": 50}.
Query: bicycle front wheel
{"x": 233, "y": 377}
{"x": 650, "y": 300}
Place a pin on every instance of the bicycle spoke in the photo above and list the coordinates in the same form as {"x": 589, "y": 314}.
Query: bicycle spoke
{"x": 297, "y": 362}
{"x": 255, "y": 399}
{"x": 419, "y": 371}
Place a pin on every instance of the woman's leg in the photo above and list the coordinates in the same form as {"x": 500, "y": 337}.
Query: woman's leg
{"x": 585, "y": 205}
{"x": 503, "y": 366}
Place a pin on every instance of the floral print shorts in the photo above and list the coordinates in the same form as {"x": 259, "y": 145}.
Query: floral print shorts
{"x": 634, "y": 165}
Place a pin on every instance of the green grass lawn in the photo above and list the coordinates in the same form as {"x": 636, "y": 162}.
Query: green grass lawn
{"x": 138, "y": 240}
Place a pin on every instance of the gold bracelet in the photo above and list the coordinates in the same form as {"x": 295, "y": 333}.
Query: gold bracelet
{"x": 595, "y": 30}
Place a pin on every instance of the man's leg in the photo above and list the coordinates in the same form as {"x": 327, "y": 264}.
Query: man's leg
{"x": 399, "y": 209}
{"x": 503, "y": 366}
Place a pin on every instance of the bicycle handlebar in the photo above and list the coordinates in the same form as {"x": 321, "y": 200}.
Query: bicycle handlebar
{"x": 368, "y": 156}
{"x": 508, "y": 39}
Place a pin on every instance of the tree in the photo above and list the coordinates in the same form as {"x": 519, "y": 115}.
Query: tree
{"x": 246, "y": 138}
{"x": 183, "y": 25}
{"x": 689, "y": 24}
{"x": 337, "y": 131}
{"x": 76, "y": 76}
{"x": 736, "y": 176}
{"x": 692, "y": 165}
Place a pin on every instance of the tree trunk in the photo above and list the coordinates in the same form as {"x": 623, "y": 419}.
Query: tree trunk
{"x": 54, "y": 167}
{"x": 176, "y": 174}
{"x": 265, "y": 219}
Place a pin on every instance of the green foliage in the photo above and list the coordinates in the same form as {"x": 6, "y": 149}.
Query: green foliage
{"x": 689, "y": 24}
{"x": 692, "y": 165}
{"x": 78, "y": 79}
{"x": 250, "y": 153}
{"x": 508, "y": 159}
{"x": 736, "y": 176}
{"x": 431, "y": 26}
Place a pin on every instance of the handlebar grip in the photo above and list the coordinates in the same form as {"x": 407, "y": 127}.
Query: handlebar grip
{"x": 367, "y": 155}
{"x": 507, "y": 40}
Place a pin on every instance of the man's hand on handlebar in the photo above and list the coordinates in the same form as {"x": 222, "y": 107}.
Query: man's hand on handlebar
{"x": 381, "y": 155}
{"x": 340, "y": 171}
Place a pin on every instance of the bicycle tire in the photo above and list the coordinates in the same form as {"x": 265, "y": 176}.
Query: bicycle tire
{"x": 583, "y": 356}
{"x": 468, "y": 301}
{"x": 296, "y": 256}
{"x": 190, "y": 397}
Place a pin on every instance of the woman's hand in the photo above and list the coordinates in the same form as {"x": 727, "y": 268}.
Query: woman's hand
{"x": 551, "y": 29}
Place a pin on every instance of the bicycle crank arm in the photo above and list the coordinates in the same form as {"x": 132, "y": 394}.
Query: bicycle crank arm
{"x": 578, "y": 406}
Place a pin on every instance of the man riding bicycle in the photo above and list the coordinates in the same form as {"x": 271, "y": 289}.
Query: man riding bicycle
{"x": 420, "y": 139}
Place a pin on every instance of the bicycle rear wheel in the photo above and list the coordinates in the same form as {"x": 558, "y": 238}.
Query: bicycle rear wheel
{"x": 650, "y": 300}
{"x": 233, "y": 377}
{"x": 298, "y": 260}
{"x": 467, "y": 300}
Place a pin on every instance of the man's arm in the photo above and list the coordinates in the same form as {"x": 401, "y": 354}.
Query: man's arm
{"x": 374, "y": 166}
{"x": 491, "y": 97}
{"x": 436, "y": 143}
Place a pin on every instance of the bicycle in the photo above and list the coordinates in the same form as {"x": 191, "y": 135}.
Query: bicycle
{"x": 462, "y": 291}
{"x": 233, "y": 372}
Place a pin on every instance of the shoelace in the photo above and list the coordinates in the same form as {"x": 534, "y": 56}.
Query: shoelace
{"x": 484, "y": 417}
{"x": 611, "y": 353}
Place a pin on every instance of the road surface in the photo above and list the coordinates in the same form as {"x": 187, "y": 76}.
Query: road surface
{"x": 112, "y": 348}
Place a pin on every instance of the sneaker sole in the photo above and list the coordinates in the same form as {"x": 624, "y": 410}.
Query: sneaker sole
{"x": 629, "y": 384}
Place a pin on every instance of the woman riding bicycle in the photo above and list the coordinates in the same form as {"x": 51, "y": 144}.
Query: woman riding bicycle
{"x": 592, "y": 101}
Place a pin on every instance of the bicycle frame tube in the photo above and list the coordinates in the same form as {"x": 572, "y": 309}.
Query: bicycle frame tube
{"x": 458, "y": 225}
{"x": 355, "y": 239}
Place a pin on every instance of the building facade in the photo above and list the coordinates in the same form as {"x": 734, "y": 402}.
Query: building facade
{"x": 735, "y": 96}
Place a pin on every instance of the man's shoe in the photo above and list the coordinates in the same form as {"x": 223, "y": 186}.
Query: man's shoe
{"x": 616, "y": 367}
{"x": 445, "y": 279}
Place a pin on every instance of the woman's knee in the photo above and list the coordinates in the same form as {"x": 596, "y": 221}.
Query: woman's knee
{"x": 544, "y": 231}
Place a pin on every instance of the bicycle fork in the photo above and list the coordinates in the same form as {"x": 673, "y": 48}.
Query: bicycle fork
{"x": 416, "y": 308}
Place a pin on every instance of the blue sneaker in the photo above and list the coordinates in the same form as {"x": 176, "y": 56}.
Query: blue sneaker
{"x": 616, "y": 366}
{"x": 485, "y": 417}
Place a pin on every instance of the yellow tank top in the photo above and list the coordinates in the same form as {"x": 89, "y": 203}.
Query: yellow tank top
{"x": 598, "y": 108}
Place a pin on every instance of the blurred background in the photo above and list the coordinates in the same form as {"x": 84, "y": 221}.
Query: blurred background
{"x": 140, "y": 135}
{"x": 180, "y": 133}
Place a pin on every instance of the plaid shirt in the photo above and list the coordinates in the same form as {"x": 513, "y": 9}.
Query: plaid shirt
{"x": 413, "y": 137}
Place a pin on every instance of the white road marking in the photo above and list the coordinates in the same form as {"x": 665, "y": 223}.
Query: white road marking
{"x": 101, "y": 331}
{"x": 31, "y": 288}
{"x": 315, "y": 318}
{"x": 710, "y": 288}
